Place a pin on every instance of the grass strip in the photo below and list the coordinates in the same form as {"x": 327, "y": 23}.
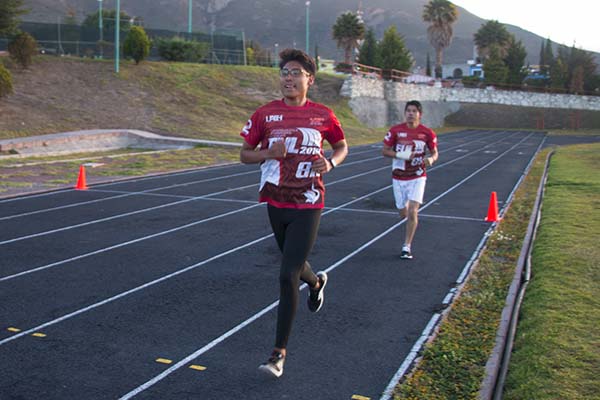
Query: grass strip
{"x": 557, "y": 347}
{"x": 453, "y": 365}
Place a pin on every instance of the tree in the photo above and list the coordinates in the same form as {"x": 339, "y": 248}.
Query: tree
{"x": 393, "y": 51}
{"x": 492, "y": 34}
{"x": 440, "y": 14}
{"x": 108, "y": 22}
{"x": 6, "y": 86}
{"x": 22, "y": 49}
{"x": 347, "y": 31}
{"x": 428, "y": 66}
{"x": 136, "y": 44}
{"x": 576, "y": 85}
{"x": 515, "y": 61}
{"x": 494, "y": 69}
{"x": 559, "y": 74}
{"x": 368, "y": 54}
{"x": 546, "y": 57}
{"x": 10, "y": 10}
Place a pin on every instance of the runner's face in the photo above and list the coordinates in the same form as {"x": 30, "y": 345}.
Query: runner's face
{"x": 294, "y": 87}
{"x": 412, "y": 115}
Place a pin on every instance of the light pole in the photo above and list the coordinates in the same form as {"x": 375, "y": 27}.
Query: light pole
{"x": 117, "y": 35}
{"x": 276, "y": 55}
{"x": 190, "y": 18}
{"x": 307, "y": 19}
{"x": 101, "y": 28}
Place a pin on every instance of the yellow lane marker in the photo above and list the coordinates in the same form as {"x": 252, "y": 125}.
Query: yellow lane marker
{"x": 38, "y": 334}
{"x": 163, "y": 361}
{"x": 197, "y": 367}
{"x": 11, "y": 329}
{"x": 359, "y": 397}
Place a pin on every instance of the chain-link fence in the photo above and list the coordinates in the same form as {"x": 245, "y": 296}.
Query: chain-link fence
{"x": 224, "y": 46}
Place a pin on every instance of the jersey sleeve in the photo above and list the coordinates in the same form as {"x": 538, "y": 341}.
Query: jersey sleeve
{"x": 252, "y": 132}
{"x": 335, "y": 132}
{"x": 389, "y": 139}
{"x": 432, "y": 142}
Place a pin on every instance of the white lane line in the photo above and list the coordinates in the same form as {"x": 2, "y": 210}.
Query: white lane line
{"x": 414, "y": 352}
{"x": 119, "y": 216}
{"x": 119, "y": 245}
{"x": 191, "y": 267}
{"x": 120, "y": 182}
{"x": 256, "y": 316}
{"x": 395, "y": 213}
{"x": 126, "y": 194}
{"x": 150, "y": 191}
{"x": 172, "y": 230}
{"x": 158, "y": 280}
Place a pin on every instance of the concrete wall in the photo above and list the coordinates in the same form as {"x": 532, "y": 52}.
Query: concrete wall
{"x": 379, "y": 103}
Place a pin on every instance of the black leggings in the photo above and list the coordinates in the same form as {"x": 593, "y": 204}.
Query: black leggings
{"x": 295, "y": 231}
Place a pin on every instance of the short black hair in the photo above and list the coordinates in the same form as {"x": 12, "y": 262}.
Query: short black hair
{"x": 416, "y": 104}
{"x": 287, "y": 55}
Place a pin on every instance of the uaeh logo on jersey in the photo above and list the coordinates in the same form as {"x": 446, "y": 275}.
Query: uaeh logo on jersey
{"x": 274, "y": 118}
{"x": 317, "y": 121}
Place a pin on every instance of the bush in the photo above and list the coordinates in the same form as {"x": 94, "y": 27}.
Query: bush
{"x": 6, "y": 87}
{"x": 178, "y": 49}
{"x": 136, "y": 44}
{"x": 343, "y": 67}
{"x": 22, "y": 49}
{"x": 472, "y": 81}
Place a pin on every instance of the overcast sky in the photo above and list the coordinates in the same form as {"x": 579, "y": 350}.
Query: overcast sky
{"x": 564, "y": 22}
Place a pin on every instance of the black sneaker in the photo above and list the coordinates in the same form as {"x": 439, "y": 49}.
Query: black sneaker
{"x": 274, "y": 365}
{"x": 317, "y": 297}
{"x": 406, "y": 254}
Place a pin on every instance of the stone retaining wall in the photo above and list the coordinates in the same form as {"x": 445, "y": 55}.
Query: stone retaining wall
{"x": 380, "y": 103}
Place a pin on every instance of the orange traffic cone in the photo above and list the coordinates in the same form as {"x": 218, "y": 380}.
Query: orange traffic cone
{"x": 81, "y": 185}
{"x": 492, "y": 215}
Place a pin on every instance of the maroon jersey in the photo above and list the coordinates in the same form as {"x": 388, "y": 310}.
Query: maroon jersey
{"x": 290, "y": 182}
{"x": 401, "y": 137}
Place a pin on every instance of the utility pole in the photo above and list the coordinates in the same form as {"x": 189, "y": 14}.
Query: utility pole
{"x": 190, "y": 18}
{"x": 101, "y": 28}
{"x": 307, "y": 24}
{"x": 117, "y": 35}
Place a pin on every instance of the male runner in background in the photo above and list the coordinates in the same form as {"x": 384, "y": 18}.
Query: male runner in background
{"x": 408, "y": 144}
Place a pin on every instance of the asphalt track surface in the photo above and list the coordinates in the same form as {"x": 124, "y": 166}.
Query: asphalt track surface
{"x": 96, "y": 285}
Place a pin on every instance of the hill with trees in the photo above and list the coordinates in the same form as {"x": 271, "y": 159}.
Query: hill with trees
{"x": 283, "y": 22}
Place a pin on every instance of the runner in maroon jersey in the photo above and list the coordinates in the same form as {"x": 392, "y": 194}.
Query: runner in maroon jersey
{"x": 408, "y": 144}
{"x": 290, "y": 133}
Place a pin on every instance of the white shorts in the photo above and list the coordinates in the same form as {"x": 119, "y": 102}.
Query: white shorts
{"x": 408, "y": 190}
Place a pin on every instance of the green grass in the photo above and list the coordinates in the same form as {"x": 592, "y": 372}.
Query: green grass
{"x": 557, "y": 349}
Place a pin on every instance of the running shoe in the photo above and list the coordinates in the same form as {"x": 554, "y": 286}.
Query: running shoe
{"x": 317, "y": 297}
{"x": 274, "y": 365}
{"x": 406, "y": 254}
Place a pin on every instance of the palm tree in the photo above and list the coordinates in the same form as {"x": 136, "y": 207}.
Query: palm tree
{"x": 440, "y": 14}
{"x": 347, "y": 31}
{"x": 492, "y": 34}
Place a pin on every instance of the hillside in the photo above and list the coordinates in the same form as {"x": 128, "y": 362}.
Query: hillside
{"x": 178, "y": 99}
{"x": 282, "y": 22}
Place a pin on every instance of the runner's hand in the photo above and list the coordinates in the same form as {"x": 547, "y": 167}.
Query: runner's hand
{"x": 321, "y": 165}
{"x": 277, "y": 150}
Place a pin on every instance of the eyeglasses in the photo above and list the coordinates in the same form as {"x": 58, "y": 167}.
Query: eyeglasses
{"x": 295, "y": 72}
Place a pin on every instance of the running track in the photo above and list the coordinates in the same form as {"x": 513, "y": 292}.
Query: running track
{"x": 96, "y": 285}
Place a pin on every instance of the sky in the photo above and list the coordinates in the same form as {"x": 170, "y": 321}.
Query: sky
{"x": 564, "y": 22}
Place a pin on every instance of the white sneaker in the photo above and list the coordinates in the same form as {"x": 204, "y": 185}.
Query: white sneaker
{"x": 274, "y": 365}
